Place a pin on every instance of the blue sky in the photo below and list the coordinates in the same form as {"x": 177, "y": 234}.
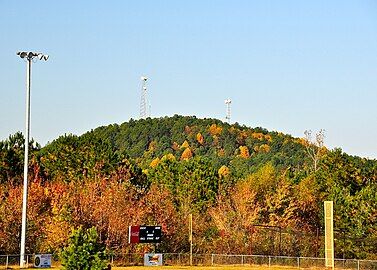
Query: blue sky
{"x": 287, "y": 65}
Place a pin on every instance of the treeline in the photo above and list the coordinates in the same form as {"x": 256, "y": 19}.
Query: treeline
{"x": 250, "y": 191}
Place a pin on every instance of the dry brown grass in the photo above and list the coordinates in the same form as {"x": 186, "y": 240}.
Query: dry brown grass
{"x": 229, "y": 267}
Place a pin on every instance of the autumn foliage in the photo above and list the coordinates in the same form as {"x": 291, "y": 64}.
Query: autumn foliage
{"x": 250, "y": 191}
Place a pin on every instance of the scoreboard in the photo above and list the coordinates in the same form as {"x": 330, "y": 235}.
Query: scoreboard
{"x": 145, "y": 234}
{"x": 150, "y": 234}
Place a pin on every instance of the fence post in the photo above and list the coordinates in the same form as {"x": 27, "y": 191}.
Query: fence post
{"x": 27, "y": 261}
{"x": 242, "y": 259}
{"x": 212, "y": 255}
{"x": 6, "y": 263}
{"x": 298, "y": 262}
{"x": 358, "y": 264}
{"x": 269, "y": 261}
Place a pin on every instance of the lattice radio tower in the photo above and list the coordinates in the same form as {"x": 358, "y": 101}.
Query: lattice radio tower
{"x": 143, "y": 102}
{"x": 228, "y": 102}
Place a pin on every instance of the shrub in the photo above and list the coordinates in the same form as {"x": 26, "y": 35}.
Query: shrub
{"x": 84, "y": 251}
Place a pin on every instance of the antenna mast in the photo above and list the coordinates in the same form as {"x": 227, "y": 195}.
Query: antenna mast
{"x": 227, "y": 117}
{"x": 143, "y": 102}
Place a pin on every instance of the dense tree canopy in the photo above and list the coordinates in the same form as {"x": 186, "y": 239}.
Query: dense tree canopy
{"x": 249, "y": 190}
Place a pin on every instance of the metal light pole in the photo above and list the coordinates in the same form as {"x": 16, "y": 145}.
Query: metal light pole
{"x": 28, "y": 56}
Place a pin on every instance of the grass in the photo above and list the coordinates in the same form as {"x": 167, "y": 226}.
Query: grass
{"x": 232, "y": 267}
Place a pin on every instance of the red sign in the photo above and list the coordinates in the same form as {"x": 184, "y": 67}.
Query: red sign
{"x": 133, "y": 234}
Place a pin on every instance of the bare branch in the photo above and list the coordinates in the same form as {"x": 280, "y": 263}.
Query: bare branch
{"x": 314, "y": 147}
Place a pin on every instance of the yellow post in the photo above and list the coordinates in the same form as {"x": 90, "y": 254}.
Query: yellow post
{"x": 329, "y": 234}
{"x": 190, "y": 237}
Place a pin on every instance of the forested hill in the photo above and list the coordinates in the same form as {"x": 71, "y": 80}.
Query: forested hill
{"x": 157, "y": 171}
{"x": 241, "y": 148}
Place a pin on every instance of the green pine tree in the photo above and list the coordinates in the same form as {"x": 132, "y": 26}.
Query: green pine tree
{"x": 84, "y": 251}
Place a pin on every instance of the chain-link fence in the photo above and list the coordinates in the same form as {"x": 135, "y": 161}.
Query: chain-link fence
{"x": 13, "y": 261}
{"x": 291, "y": 262}
{"x": 252, "y": 260}
{"x": 129, "y": 259}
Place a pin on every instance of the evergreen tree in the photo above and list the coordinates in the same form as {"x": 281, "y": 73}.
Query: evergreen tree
{"x": 84, "y": 252}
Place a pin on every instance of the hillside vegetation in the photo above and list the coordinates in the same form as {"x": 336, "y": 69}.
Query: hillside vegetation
{"x": 250, "y": 191}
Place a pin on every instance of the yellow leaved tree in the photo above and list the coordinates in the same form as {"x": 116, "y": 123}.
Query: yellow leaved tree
{"x": 215, "y": 130}
{"x": 223, "y": 171}
{"x": 155, "y": 162}
{"x": 244, "y": 152}
{"x": 185, "y": 144}
{"x": 200, "y": 138}
{"x": 187, "y": 154}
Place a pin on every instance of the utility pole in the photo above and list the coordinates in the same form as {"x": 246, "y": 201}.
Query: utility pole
{"x": 28, "y": 56}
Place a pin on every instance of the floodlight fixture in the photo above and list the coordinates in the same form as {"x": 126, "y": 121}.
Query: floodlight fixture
{"x": 143, "y": 78}
{"x": 22, "y": 54}
{"x": 43, "y": 56}
{"x": 32, "y": 55}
